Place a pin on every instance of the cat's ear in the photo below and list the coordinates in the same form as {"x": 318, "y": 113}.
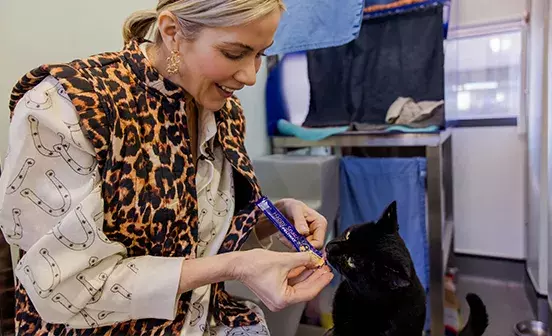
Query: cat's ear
{"x": 388, "y": 219}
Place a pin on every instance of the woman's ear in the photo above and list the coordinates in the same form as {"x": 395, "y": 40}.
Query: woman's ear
{"x": 169, "y": 29}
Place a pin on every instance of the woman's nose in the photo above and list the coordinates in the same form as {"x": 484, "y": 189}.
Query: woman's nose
{"x": 247, "y": 75}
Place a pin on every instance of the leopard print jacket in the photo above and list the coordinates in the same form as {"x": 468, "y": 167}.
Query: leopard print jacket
{"x": 136, "y": 121}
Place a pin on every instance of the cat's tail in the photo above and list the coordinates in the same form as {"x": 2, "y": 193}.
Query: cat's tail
{"x": 479, "y": 320}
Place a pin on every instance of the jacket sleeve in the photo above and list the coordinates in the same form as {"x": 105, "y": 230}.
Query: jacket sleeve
{"x": 51, "y": 207}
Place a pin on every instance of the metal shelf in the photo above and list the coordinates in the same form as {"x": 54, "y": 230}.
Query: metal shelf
{"x": 366, "y": 139}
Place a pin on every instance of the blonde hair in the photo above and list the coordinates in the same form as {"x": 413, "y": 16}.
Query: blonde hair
{"x": 193, "y": 15}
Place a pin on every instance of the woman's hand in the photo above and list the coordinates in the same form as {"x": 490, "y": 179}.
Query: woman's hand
{"x": 276, "y": 278}
{"x": 307, "y": 221}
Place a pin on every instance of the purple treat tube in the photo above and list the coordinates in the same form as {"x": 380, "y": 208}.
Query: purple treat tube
{"x": 285, "y": 227}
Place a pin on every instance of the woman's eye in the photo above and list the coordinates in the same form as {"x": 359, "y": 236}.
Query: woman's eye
{"x": 232, "y": 56}
{"x": 260, "y": 55}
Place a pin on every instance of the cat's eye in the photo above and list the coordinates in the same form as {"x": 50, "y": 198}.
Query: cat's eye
{"x": 351, "y": 262}
{"x": 347, "y": 235}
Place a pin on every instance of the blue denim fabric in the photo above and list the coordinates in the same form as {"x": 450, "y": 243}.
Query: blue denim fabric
{"x": 309, "y": 24}
{"x": 369, "y": 185}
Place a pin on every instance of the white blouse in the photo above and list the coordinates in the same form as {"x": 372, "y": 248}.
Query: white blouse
{"x": 51, "y": 207}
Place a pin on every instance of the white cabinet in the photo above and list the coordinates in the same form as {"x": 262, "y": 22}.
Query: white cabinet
{"x": 488, "y": 177}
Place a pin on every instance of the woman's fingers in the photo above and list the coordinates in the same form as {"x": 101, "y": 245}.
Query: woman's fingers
{"x": 310, "y": 287}
{"x": 300, "y": 277}
{"x": 297, "y": 214}
{"x": 318, "y": 226}
{"x": 304, "y": 275}
{"x": 296, "y": 272}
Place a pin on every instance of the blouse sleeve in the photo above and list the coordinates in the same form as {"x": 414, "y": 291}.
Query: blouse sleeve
{"x": 51, "y": 207}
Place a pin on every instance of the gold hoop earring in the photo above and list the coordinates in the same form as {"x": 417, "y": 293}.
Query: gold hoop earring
{"x": 173, "y": 63}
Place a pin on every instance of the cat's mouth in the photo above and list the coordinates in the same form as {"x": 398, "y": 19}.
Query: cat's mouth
{"x": 335, "y": 257}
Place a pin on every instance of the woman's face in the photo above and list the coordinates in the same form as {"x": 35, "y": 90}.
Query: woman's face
{"x": 221, "y": 61}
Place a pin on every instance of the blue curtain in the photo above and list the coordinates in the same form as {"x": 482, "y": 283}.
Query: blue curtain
{"x": 369, "y": 185}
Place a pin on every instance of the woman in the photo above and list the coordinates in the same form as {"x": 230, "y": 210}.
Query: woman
{"x": 128, "y": 187}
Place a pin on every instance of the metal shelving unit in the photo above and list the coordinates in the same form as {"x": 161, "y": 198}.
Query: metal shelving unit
{"x": 437, "y": 148}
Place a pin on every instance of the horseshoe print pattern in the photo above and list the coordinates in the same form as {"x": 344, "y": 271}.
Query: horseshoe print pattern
{"x": 74, "y": 129}
{"x": 82, "y": 279}
{"x": 118, "y": 289}
{"x": 39, "y": 145}
{"x": 55, "y": 279}
{"x": 44, "y": 104}
{"x": 86, "y": 227}
{"x": 63, "y": 150}
{"x": 18, "y": 181}
{"x": 88, "y": 318}
{"x": 47, "y": 101}
{"x": 103, "y": 314}
{"x": 202, "y": 215}
{"x": 93, "y": 261}
{"x": 98, "y": 217}
{"x": 63, "y": 301}
{"x": 218, "y": 210}
{"x": 104, "y": 238}
{"x": 17, "y": 232}
{"x": 133, "y": 268}
{"x": 98, "y": 295}
{"x": 206, "y": 235}
{"x": 62, "y": 93}
{"x": 62, "y": 190}
{"x": 197, "y": 313}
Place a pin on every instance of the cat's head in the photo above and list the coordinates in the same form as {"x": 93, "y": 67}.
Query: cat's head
{"x": 373, "y": 256}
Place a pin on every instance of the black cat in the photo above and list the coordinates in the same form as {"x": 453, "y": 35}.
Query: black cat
{"x": 381, "y": 293}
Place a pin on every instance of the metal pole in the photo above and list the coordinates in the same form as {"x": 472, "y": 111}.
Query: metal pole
{"x": 435, "y": 225}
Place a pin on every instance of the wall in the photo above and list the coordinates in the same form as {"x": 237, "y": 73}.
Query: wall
{"x": 537, "y": 229}
{"x": 253, "y": 101}
{"x": 477, "y": 12}
{"x": 37, "y": 32}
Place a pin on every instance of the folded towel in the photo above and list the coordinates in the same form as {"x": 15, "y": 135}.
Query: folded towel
{"x": 308, "y": 134}
{"x": 393, "y": 129}
{"x": 405, "y": 111}
{"x": 308, "y": 25}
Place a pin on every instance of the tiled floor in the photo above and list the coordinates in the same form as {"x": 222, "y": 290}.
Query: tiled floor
{"x": 506, "y": 302}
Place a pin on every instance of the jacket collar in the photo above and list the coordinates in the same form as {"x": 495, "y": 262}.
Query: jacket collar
{"x": 229, "y": 119}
